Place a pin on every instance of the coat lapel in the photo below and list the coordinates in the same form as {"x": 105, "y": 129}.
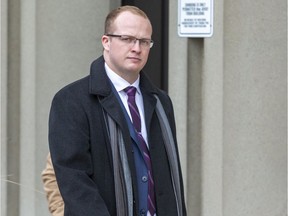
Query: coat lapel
{"x": 148, "y": 90}
{"x": 101, "y": 87}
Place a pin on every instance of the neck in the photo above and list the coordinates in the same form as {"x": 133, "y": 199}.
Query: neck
{"x": 129, "y": 76}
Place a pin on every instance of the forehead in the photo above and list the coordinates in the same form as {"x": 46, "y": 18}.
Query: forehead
{"x": 129, "y": 20}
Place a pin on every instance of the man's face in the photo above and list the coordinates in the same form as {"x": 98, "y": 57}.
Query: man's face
{"x": 124, "y": 58}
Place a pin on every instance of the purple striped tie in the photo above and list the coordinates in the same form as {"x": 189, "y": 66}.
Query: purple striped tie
{"x": 130, "y": 91}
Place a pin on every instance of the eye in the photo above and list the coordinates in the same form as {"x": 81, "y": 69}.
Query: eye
{"x": 145, "y": 42}
{"x": 127, "y": 39}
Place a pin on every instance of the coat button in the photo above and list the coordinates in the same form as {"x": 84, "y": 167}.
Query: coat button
{"x": 142, "y": 212}
{"x": 144, "y": 178}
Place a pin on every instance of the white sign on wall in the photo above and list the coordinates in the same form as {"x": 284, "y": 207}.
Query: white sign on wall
{"x": 195, "y": 18}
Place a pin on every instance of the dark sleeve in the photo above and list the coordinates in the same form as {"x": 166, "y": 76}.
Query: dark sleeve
{"x": 69, "y": 143}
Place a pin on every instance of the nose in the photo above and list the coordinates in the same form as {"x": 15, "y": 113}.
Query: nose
{"x": 136, "y": 46}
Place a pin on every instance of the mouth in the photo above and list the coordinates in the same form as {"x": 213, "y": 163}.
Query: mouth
{"x": 134, "y": 58}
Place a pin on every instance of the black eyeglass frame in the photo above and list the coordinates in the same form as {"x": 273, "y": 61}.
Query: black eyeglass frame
{"x": 134, "y": 39}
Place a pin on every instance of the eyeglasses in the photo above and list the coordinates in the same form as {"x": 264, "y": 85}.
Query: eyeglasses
{"x": 129, "y": 40}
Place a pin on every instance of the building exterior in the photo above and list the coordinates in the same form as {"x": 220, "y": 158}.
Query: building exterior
{"x": 229, "y": 93}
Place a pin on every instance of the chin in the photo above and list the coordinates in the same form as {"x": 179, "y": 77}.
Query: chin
{"x": 134, "y": 69}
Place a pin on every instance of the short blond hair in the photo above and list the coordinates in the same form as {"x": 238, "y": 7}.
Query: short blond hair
{"x": 116, "y": 12}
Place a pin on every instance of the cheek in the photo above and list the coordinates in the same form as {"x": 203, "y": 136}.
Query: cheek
{"x": 118, "y": 51}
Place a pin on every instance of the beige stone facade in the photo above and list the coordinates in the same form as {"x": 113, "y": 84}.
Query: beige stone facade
{"x": 229, "y": 93}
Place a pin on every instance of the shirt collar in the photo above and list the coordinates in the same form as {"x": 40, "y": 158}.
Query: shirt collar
{"x": 118, "y": 82}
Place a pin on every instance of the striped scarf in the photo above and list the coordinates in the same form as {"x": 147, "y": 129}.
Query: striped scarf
{"x": 122, "y": 175}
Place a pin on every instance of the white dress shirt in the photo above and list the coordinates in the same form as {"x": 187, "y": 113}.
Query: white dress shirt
{"x": 120, "y": 84}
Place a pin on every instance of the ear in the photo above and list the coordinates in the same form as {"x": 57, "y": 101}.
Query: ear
{"x": 105, "y": 42}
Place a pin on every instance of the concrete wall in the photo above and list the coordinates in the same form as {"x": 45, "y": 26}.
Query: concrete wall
{"x": 235, "y": 118}
{"x": 47, "y": 44}
{"x": 229, "y": 93}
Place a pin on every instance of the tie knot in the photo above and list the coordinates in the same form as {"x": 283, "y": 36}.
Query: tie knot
{"x": 130, "y": 91}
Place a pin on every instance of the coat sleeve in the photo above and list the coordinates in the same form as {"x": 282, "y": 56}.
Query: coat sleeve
{"x": 69, "y": 143}
{"x": 55, "y": 201}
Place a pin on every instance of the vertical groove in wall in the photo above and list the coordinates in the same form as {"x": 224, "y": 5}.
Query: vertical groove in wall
{"x": 194, "y": 98}
{"x": 165, "y": 47}
{"x": 3, "y": 115}
{"x": 13, "y": 112}
{"x": 28, "y": 107}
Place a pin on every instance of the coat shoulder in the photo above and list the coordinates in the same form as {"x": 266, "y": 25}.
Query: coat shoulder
{"x": 75, "y": 88}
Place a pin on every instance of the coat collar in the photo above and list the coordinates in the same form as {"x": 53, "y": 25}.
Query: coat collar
{"x": 100, "y": 85}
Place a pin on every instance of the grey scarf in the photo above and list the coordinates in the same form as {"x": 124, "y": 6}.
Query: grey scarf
{"x": 122, "y": 175}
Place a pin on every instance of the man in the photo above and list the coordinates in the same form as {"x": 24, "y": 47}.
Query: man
{"x": 112, "y": 144}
